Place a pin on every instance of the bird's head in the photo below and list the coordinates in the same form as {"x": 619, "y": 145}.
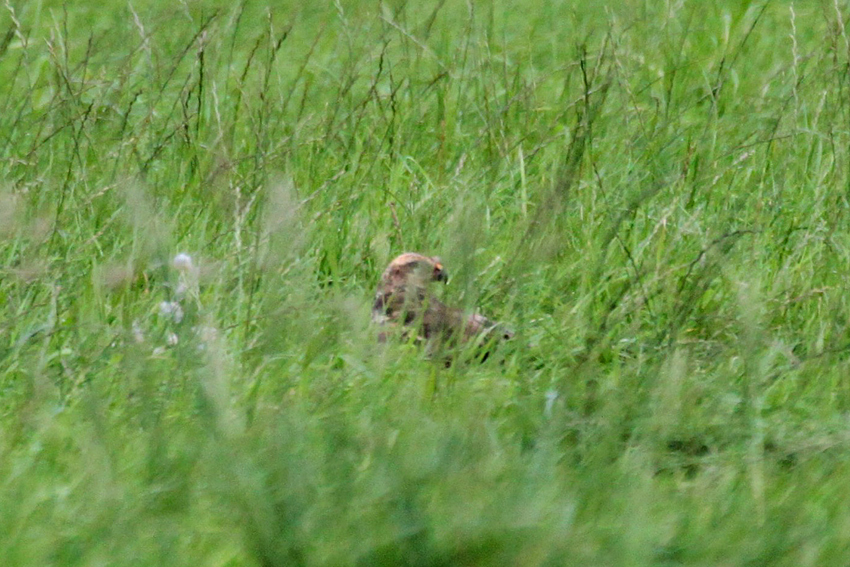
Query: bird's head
{"x": 412, "y": 269}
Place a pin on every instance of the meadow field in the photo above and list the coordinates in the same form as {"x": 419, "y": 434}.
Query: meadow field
{"x": 197, "y": 199}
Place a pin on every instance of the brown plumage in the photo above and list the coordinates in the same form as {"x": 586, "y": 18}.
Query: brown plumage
{"x": 403, "y": 301}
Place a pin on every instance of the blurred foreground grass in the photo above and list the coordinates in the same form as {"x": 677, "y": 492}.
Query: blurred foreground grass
{"x": 654, "y": 195}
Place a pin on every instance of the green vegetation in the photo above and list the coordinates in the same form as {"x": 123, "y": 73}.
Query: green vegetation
{"x": 653, "y": 194}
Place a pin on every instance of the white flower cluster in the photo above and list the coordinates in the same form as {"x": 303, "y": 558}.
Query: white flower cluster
{"x": 182, "y": 262}
{"x": 171, "y": 310}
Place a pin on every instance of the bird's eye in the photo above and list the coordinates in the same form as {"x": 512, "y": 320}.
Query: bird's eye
{"x": 440, "y": 274}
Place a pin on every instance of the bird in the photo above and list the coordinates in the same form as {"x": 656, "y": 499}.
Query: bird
{"x": 403, "y": 301}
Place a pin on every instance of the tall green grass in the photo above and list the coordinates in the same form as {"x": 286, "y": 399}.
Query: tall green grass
{"x": 654, "y": 195}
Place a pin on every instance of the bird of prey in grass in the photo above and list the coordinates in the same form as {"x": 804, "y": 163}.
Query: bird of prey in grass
{"x": 404, "y": 303}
